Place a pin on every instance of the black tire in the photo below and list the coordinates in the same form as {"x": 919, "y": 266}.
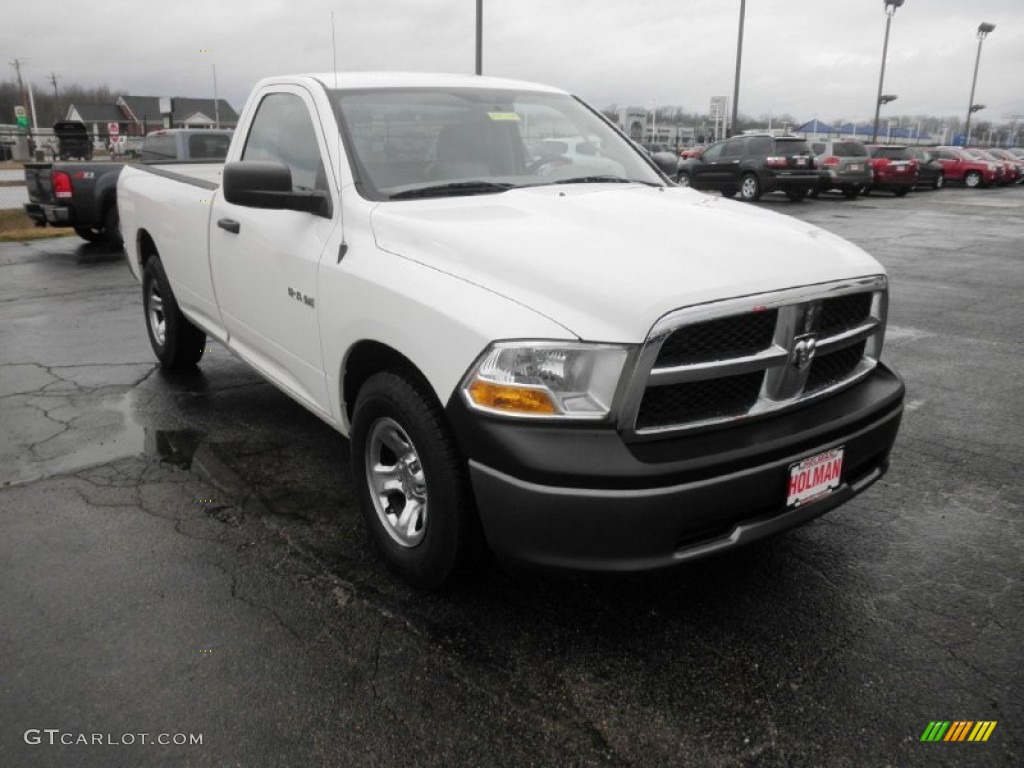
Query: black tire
{"x": 439, "y": 541}
{"x": 112, "y": 228}
{"x": 940, "y": 181}
{"x": 866, "y": 191}
{"x": 750, "y": 188}
{"x": 176, "y": 342}
{"x": 796, "y": 195}
{"x": 972, "y": 179}
{"x": 728, "y": 192}
{"x": 91, "y": 234}
{"x": 683, "y": 179}
{"x": 850, "y": 193}
{"x": 901, "y": 191}
{"x": 814, "y": 194}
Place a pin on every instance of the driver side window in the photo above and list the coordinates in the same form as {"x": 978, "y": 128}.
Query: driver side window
{"x": 283, "y": 132}
{"x": 713, "y": 152}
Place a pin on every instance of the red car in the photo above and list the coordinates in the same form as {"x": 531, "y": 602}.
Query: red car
{"x": 1008, "y": 156}
{"x": 894, "y": 168}
{"x": 1010, "y": 173}
{"x": 960, "y": 166}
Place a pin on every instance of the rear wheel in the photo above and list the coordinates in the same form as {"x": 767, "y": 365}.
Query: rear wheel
{"x": 972, "y": 179}
{"x": 901, "y": 191}
{"x": 850, "y": 193}
{"x": 683, "y": 179}
{"x": 92, "y": 234}
{"x": 176, "y": 342}
{"x": 940, "y": 181}
{"x": 112, "y": 228}
{"x": 411, "y": 481}
{"x": 750, "y": 188}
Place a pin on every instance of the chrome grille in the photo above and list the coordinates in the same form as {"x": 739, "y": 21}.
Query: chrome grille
{"x": 742, "y": 358}
{"x": 829, "y": 369}
{"x": 712, "y": 398}
{"x": 718, "y": 339}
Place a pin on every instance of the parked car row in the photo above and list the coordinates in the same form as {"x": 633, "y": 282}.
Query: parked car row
{"x": 754, "y": 164}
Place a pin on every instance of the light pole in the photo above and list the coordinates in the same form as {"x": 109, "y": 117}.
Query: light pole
{"x": 739, "y": 59}
{"x": 983, "y": 30}
{"x": 479, "y": 37}
{"x": 890, "y": 10}
{"x": 216, "y": 101}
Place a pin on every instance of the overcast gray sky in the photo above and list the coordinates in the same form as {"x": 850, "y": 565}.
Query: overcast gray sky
{"x": 809, "y": 58}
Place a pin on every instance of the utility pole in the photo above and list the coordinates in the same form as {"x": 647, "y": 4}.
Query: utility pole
{"x": 56, "y": 96}
{"x": 17, "y": 63}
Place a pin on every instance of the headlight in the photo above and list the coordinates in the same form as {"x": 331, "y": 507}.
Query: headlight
{"x": 546, "y": 379}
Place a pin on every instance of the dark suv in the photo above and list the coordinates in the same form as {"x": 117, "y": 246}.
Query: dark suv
{"x": 752, "y": 166}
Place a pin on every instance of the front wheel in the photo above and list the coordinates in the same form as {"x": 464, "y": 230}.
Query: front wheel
{"x": 176, "y": 342}
{"x": 683, "y": 179}
{"x": 411, "y": 481}
{"x": 972, "y": 179}
{"x": 940, "y": 181}
{"x": 750, "y": 188}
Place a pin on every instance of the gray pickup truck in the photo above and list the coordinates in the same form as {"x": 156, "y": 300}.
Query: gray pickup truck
{"x": 84, "y": 195}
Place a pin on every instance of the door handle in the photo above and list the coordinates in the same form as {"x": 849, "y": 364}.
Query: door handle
{"x": 230, "y": 225}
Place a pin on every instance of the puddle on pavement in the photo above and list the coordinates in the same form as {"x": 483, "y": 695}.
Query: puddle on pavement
{"x": 101, "y": 432}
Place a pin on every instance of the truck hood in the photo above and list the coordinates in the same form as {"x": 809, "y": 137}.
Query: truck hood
{"x": 605, "y": 261}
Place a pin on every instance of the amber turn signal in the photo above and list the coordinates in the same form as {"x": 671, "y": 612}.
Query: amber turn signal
{"x": 501, "y": 397}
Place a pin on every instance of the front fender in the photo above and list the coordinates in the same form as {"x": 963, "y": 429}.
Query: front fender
{"x": 440, "y": 323}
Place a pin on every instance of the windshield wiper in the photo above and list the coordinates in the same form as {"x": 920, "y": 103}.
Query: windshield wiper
{"x": 607, "y": 179}
{"x": 452, "y": 189}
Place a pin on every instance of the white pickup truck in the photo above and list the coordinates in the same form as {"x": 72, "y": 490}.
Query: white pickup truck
{"x": 558, "y": 357}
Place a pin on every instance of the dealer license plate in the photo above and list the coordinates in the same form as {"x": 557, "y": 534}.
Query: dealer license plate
{"x": 814, "y": 477}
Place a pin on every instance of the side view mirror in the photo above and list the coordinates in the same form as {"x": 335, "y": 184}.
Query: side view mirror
{"x": 269, "y": 185}
{"x": 667, "y": 162}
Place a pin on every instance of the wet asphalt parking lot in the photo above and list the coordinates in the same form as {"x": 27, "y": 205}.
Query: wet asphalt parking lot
{"x": 180, "y": 556}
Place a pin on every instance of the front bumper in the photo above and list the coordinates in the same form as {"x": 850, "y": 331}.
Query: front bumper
{"x": 583, "y": 499}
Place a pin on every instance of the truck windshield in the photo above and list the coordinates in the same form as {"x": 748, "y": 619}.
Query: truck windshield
{"x": 408, "y": 143}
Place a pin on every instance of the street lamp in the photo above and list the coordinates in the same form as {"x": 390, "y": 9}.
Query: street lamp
{"x": 739, "y": 59}
{"x": 983, "y": 30}
{"x": 890, "y": 10}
